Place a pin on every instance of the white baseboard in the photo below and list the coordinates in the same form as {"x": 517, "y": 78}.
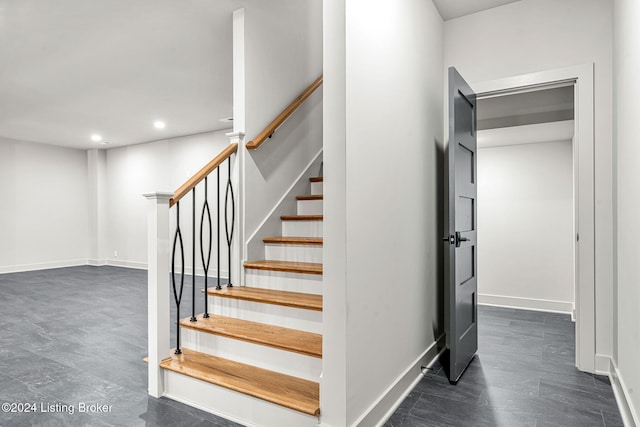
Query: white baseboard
{"x": 42, "y": 266}
{"x": 97, "y": 262}
{"x": 526, "y": 303}
{"x": 385, "y": 405}
{"x": 127, "y": 264}
{"x": 628, "y": 413}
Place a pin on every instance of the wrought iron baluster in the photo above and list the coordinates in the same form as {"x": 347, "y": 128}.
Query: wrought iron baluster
{"x": 177, "y": 297}
{"x": 229, "y": 232}
{"x": 193, "y": 257}
{"x": 205, "y": 264}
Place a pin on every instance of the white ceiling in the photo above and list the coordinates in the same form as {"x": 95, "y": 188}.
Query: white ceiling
{"x": 451, "y": 9}
{"x": 72, "y": 68}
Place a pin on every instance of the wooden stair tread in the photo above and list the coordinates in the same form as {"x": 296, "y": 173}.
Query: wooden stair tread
{"x": 293, "y": 340}
{"x": 286, "y": 266}
{"x": 302, "y": 217}
{"x": 316, "y": 179}
{"x": 271, "y": 296}
{"x": 310, "y": 197}
{"x": 282, "y": 240}
{"x": 285, "y": 390}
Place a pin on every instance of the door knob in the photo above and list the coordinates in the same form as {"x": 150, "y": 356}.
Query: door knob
{"x": 459, "y": 239}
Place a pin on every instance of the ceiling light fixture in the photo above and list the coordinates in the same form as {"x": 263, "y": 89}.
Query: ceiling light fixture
{"x": 159, "y": 124}
{"x": 96, "y": 137}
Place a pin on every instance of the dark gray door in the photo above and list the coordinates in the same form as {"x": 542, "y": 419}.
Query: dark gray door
{"x": 461, "y": 250}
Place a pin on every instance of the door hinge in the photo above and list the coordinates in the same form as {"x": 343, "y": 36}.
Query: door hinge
{"x": 577, "y": 237}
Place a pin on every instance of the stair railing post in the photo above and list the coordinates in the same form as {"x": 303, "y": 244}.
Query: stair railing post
{"x": 158, "y": 261}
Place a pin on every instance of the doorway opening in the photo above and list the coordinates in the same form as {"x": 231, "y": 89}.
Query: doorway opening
{"x": 570, "y": 143}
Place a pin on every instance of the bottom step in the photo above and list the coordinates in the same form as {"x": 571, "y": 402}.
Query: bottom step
{"x": 290, "y": 392}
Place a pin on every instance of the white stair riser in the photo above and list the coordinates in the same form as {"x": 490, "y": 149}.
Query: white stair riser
{"x": 294, "y": 282}
{"x": 273, "y": 359}
{"x": 297, "y": 253}
{"x": 302, "y": 228}
{"x": 316, "y": 188}
{"x": 287, "y": 317}
{"x": 309, "y": 207}
{"x": 232, "y": 405}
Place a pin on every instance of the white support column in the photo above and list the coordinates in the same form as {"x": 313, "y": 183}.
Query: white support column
{"x": 158, "y": 244}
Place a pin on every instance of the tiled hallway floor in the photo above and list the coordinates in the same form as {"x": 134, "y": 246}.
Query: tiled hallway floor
{"x": 79, "y": 335}
{"x": 523, "y": 375}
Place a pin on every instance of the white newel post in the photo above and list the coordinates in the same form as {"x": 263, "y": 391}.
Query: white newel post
{"x": 158, "y": 244}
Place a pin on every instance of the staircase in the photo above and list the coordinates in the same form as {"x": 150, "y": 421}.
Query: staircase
{"x": 257, "y": 358}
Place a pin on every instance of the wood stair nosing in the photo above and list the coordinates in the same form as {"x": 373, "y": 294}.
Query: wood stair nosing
{"x": 284, "y": 390}
{"x": 271, "y": 296}
{"x": 302, "y": 217}
{"x": 286, "y": 266}
{"x": 293, "y": 340}
{"x": 310, "y": 197}
{"x": 283, "y": 240}
{"x": 316, "y": 179}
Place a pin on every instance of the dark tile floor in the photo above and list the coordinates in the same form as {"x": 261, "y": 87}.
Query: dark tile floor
{"x": 79, "y": 335}
{"x": 523, "y": 375}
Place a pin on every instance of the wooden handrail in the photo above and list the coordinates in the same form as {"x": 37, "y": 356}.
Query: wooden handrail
{"x": 269, "y": 130}
{"x": 202, "y": 174}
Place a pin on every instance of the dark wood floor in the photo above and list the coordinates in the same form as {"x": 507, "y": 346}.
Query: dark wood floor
{"x": 79, "y": 335}
{"x": 523, "y": 375}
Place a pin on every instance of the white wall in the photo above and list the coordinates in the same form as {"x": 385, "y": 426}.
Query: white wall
{"x": 43, "y": 219}
{"x": 282, "y": 56}
{"x": 525, "y": 226}
{"x": 144, "y": 168}
{"x": 536, "y": 35}
{"x": 627, "y": 128}
{"x": 383, "y": 148}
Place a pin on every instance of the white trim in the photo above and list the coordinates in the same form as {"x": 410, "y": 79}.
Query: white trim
{"x": 628, "y": 413}
{"x": 127, "y": 264}
{"x": 43, "y": 266}
{"x": 387, "y": 403}
{"x": 97, "y": 262}
{"x": 526, "y": 303}
{"x": 584, "y": 199}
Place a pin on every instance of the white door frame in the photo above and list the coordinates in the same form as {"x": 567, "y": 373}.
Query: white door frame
{"x": 584, "y": 198}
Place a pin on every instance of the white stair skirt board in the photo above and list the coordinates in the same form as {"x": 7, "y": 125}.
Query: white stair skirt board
{"x": 273, "y": 359}
{"x": 316, "y": 187}
{"x": 526, "y": 303}
{"x": 294, "y": 282}
{"x": 287, "y": 317}
{"x": 302, "y": 228}
{"x": 309, "y": 207}
{"x": 234, "y": 406}
{"x": 296, "y": 253}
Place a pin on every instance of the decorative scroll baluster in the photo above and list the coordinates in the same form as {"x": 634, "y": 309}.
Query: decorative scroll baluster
{"x": 193, "y": 257}
{"x": 177, "y": 297}
{"x": 233, "y": 217}
{"x": 205, "y": 263}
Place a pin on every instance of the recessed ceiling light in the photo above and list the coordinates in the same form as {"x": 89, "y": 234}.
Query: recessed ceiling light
{"x": 159, "y": 124}
{"x": 96, "y": 137}
{"x": 106, "y": 142}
